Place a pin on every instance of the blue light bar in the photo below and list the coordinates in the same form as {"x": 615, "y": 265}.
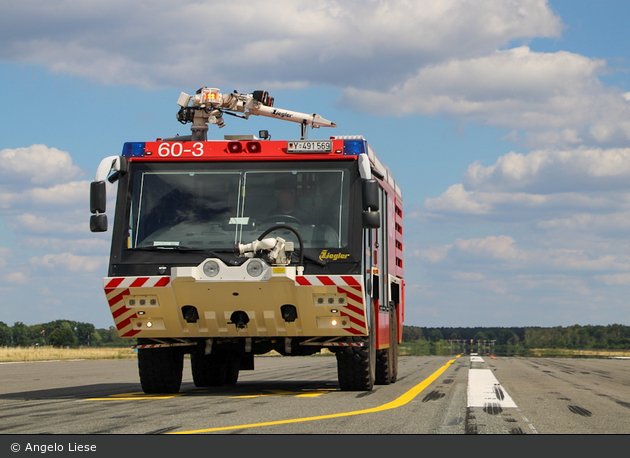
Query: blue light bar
{"x": 354, "y": 147}
{"x": 133, "y": 149}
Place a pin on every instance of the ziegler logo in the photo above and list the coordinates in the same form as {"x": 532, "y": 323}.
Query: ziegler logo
{"x": 282, "y": 114}
{"x": 326, "y": 256}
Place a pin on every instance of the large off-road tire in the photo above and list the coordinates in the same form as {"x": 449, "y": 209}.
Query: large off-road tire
{"x": 215, "y": 369}
{"x": 208, "y": 370}
{"x": 160, "y": 370}
{"x": 393, "y": 343}
{"x": 356, "y": 368}
{"x": 233, "y": 368}
{"x": 387, "y": 359}
{"x": 383, "y": 367}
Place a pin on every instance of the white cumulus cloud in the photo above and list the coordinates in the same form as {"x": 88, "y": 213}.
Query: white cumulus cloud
{"x": 548, "y": 171}
{"x": 67, "y": 262}
{"x": 549, "y": 187}
{"x": 281, "y": 42}
{"x": 446, "y": 57}
{"x": 556, "y": 98}
{"x": 553, "y": 227}
{"x": 36, "y": 165}
{"x": 45, "y": 211}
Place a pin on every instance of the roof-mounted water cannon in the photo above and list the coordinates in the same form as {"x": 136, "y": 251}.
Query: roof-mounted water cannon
{"x": 208, "y": 105}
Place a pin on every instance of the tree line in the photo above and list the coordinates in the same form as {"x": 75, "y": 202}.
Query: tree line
{"x": 60, "y": 333}
{"x": 614, "y": 336}
{"x": 68, "y": 333}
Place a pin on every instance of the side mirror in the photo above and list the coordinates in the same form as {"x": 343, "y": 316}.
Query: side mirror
{"x": 98, "y": 199}
{"x": 98, "y": 223}
{"x": 98, "y": 193}
{"x": 371, "y": 220}
{"x": 370, "y": 190}
{"x": 370, "y": 195}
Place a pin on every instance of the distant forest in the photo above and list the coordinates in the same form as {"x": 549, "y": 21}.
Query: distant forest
{"x": 614, "y": 336}
{"x": 67, "y": 333}
{"x": 60, "y": 333}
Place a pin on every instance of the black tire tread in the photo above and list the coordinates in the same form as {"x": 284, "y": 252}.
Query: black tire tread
{"x": 353, "y": 369}
{"x": 383, "y": 367}
{"x": 208, "y": 370}
{"x": 160, "y": 370}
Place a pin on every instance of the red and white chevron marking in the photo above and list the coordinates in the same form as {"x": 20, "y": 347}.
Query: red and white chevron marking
{"x": 135, "y": 282}
{"x": 329, "y": 280}
{"x": 351, "y": 287}
{"x": 117, "y": 288}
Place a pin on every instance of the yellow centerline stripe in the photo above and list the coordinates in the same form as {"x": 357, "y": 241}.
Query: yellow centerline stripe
{"x": 398, "y": 402}
{"x": 136, "y": 395}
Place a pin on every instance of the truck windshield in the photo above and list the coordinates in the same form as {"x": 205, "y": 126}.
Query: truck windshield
{"x": 213, "y": 210}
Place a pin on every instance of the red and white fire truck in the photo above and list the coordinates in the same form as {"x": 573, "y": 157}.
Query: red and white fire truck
{"x": 227, "y": 249}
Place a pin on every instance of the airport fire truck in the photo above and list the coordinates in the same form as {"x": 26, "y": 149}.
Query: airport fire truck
{"x": 227, "y": 249}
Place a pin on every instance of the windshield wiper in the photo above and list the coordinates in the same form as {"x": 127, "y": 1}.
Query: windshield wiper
{"x": 187, "y": 249}
{"x": 182, "y": 248}
{"x": 218, "y": 252}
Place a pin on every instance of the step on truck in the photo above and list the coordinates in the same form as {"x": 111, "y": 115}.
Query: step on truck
{"x": 227, "y": 249}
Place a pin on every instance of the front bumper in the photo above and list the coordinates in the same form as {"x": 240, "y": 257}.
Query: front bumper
{"x": 157, "y": 306}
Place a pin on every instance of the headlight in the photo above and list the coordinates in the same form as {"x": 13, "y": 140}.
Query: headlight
{"x": 255, "y": 267}
{"x": 211, "y": 268}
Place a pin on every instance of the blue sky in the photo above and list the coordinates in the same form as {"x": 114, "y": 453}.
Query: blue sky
{"x": 506, "y": 123}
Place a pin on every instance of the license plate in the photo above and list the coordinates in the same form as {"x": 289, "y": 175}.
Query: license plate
{"x": 306, "y": 146}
